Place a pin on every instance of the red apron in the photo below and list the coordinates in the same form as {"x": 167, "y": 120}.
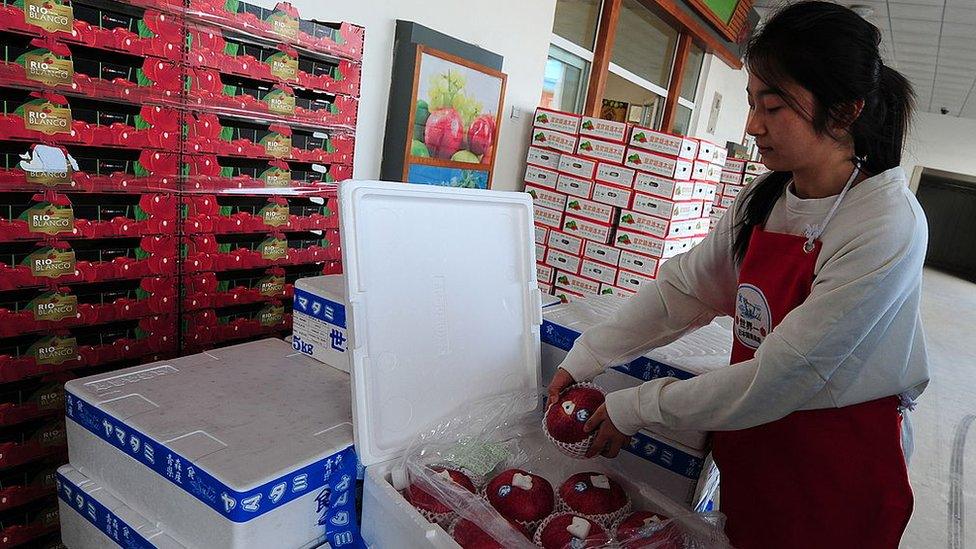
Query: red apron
{"x": 832, "y": 478}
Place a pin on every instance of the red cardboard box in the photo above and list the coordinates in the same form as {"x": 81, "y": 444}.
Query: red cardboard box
{"x": 557, "y": 141}
{"x": 574, "y": 186}
{"x": 734, "y": 165}
{"x": 638, "y": 263}
{"x": 588, "y": 209}
{"x": 544, "y": 273}
{"x": 548, "y": 119}
{"x": 543, "y": 158}
{"x": 563, "y": 261}
{"x": 756, "y": 168}
{"x": 657, "y": 164}
{"x": 598, "y": 271}
{"x": 615, "y": 175}
{"x": 731, "y": 178}
{"x": 650, "y": 245}
{"x": 601, "y": 253}
{"x": 566, "y": 296}
{"x": 706, "y": 151}
{"x": 667, "y": 209}
{"x": 731, "y": 191}
{"x": 577, "y": 166}
{"x": 540, "y": 253}
{"x": 704, "y": 190}
{"x": 659, "y": 227}
{"x": 577, "y": 283}
{"x": 604, "y": 129}
{"x": 541, "y": 176}
{"x": 599, "y": 149}
{"x": 587, "y": 229}
{"x": 663, "y": 143}
{"x": 632, "y": 281}
{"x": 610, "y": 289}
{"x": 545, "y": 197}
{"x": 548, "y": 217}
{"x": 664, "y": 187}
{"x": 612, "y": 195}
{"x": 565, "y": 243}
{"x": 541, "y": 234}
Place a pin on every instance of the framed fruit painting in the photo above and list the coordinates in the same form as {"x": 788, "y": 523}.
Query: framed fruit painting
{"x": 454, "y": 120}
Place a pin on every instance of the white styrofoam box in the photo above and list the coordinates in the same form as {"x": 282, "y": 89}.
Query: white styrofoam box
{"x": 667, "y": 209}
{"x": 664, "y": 187}
{"x": 604, "y": 129}
{"x": 540, "y": 252}
{"x": 610, "y": 289}
{"x": 731, "y": 178}
{"x": 727, "y": 201}
{"x": 92, "y": 518}
{"x": 699, "y": 170}
{"x": 600, "y": 272}
{"x": 732, "y": 191}
{"x": 632, "y": 281}
{"x": 599, "y": 149}
{"x": 664, "y": 143}
{"x": 612, "y": 195}
{"x": 592, "y": 210}
{"x": 734, "y": 165}
{"x": 543, "y": 158}
{"x": 568, "y": 243}
{"x": 555, "y": 140}
{"x": 756, "y": 168}
{"x": 657, "y": 164}
{"x": 548, "y": 217}
{"x": 615, "y": 175}
{"x": 566, "y": 295}
{"x": 638, "y": 263}
{"x": 547, "y": 198}
{"x": 541, "y": 234}
{"x": 556, "y": 120}
{"x": 549, "y": 301}
{"x": 574, "y": 186}
{"x": 587, "y": 229}
{"x": 544, "y": 273}
{"x": 576, "y": 283}
{"x": 541, "y": 176}
{"x": 577, "y": 165}
{"x": 229, "y": 448}
{"x": 563, "y": 261}
{"x": 663, "y": 248}
{"x": 319, "y": 326}
{"x": 601, "y": 252}
{"x": 706, "y": 150}
{"x": 704, "y": 190}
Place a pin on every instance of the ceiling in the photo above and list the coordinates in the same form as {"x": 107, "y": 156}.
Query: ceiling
{"x": 932, "y": 42}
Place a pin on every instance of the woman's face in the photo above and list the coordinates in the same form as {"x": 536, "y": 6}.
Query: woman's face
{"x": 786, "y": 137}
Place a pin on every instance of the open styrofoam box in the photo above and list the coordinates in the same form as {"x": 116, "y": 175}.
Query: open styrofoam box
{"x": 92, "y": 518}
{"x": 224, "y": 449}
{"x": 444, "y": 310}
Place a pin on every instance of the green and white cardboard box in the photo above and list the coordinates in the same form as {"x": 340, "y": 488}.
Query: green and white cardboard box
{"x": 245, "y": 446}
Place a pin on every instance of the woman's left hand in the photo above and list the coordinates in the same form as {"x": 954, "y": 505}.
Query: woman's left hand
{"x": 608, "y": 440}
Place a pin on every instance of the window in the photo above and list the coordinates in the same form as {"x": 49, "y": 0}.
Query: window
{"x": 682, "y": 119}
{"x": 643, "y": 107}
{"x": 645, "y": 44}
{"x": 577, "y": 21}
{"x": 564, "y": 84}
{"x": 692, "y": 72}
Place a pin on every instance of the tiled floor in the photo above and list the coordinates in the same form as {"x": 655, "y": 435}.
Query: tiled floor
{"x": 949, "y": 314}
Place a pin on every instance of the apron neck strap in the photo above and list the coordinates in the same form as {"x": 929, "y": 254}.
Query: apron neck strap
{"x": 813, "y": 232}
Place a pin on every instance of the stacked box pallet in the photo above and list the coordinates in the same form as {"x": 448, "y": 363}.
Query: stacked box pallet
{"x": 118, "y": 122}
{"x": 613, "y": 202}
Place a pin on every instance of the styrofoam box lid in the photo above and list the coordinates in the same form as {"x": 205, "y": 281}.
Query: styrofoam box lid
{"x": 245, "y": 414}
{"x": 330, "y": 285}
{"x": 443, "y": 301}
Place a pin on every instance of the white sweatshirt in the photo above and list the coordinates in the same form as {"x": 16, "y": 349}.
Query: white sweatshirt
{"x": 856, "y": 338}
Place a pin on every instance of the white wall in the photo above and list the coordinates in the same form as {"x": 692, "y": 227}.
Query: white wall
{"x": 941, "y": 142}
{"x": 518, "y": 30}
{"x": 731, "y": 84}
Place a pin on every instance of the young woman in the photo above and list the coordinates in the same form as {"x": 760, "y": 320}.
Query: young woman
{"x": 820, "y": 264}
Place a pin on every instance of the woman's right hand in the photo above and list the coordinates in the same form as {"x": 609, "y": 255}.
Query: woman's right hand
{"x": 560, "y": 381}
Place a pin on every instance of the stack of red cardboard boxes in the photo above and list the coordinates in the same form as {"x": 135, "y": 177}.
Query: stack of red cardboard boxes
{"x": 613, "y": 202}
{"x": 735, "y": 176}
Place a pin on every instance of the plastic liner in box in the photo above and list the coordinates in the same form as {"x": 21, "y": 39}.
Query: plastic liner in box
{"x": 499, "y": 433}
{"x": 249, "y": 445}
{"x": 92, "y": 518}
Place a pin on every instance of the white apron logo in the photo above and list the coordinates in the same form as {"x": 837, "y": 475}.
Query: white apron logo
{"x": 752, "y": 316}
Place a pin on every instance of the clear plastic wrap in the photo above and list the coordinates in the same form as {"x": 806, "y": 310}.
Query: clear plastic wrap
{"x": 499, "y": 433}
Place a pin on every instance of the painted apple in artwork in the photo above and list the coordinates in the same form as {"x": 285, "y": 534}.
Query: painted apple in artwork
{"x": 481, "y": 134}
{"x": 444, "y": 133}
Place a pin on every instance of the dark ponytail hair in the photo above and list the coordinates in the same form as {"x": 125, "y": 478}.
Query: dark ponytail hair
{"x": 831, "y": 51}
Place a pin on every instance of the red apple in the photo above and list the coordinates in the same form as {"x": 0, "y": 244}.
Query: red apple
{"x": 481, "y": 134}
{"x": 444, "y": 133}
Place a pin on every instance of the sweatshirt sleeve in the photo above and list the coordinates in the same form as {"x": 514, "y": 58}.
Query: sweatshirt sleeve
{"x": 690, "y": 291}
{"x": 852, "y": 295}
